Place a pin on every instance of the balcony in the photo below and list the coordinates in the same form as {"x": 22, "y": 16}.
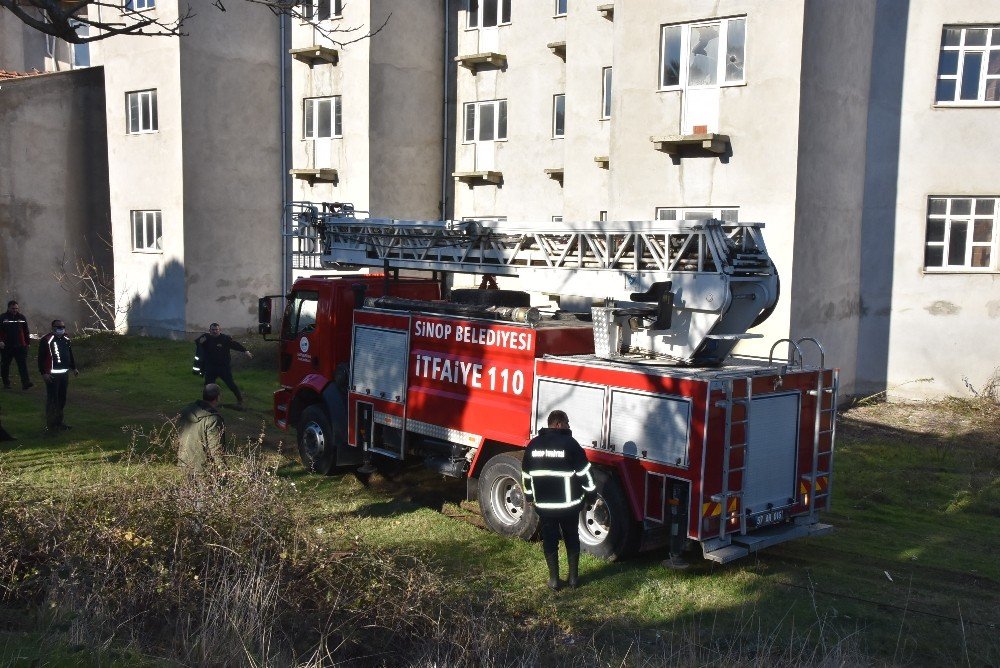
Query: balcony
{"x": 310, "y": 55}
{"x": 314, "y": 176}
{"x": 472, "y": 179}
{"x": 607, "y": 10}
{"x": 558, "y": 48}
{"x": 474, "y": 61}
{"x": 603, "y": 161}
{"x": 673, "y": 145}
{"x": 556, "y": 174}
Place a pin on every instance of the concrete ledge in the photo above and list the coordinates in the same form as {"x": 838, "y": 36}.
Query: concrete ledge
{"x": 556, "y": 174}
{"x": 473, "y": 178}
{"x": 603, "y": 161}
{"x": 558, "y": 48}
{"x": 310, "y": 55}
{"x": 607, "y": 10}
{"x": 709, "y": 141}
{"x": 474, "y": 61}
{"x": 325, "y": 175}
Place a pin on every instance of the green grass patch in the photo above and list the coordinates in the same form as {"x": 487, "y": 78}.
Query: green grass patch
{"x": 910, "y": 574}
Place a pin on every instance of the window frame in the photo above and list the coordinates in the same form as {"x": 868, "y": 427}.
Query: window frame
{"x": 149, "y": 218}
{"x": 557, "y": 132}
{"x": 132, "y": 5}
{"x": 718, "y": 212}
{"x": 474, "y": 10}
{"x": 477, "y": 116}
{"x": 685, "y": 48}
{"x": 560, "y": 4}
{"x": 948, "y": 218}
{"x": 309, "y": 109}
{"x": 154, "y": 117}
{"x": 82, "y": 30}
{"x": 991, "y": 47}
{"x": 607, "y": 78}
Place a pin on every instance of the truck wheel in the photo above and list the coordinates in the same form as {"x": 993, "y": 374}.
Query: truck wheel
{"x": 501, "y": 499}
{"x": 477, "y": 297}
{"x": 607, "y": 529}
{"x": 317, "y": 441}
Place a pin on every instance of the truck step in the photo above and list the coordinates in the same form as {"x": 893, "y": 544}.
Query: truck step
{"x": 724, "y": 555}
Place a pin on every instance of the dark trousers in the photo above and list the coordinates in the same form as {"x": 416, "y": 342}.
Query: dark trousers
{"x": 55, "y": 399}
{"x": 568, "y": 526}
{"x": 19, "y": 355}
{"x": 226, "y": 376}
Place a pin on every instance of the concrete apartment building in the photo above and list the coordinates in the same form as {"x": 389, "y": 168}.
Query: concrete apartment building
{"x": 818, "y": 118}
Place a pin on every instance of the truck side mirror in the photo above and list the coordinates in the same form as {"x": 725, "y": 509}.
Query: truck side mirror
{"x": 264, "y": 315}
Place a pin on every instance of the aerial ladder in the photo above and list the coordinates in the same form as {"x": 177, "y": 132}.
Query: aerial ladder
{"x": 676, "y": 292}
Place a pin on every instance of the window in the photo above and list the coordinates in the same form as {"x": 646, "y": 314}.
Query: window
{"x": 147, "y": 232}
{"x": 561, "y": 7}
{"x": 729, "y": 215}
{"x": 602, "y": 216}
{"x": 142, "y": 116}
{"x": 487, "y": 13}
{"x": 485, "y": 121}
{"x": 300, "y": 314}
{"x": 139, "y": 5}
{"x": 961, "y": 233}
{"x": 321, "y": 10}
{"x": 559, "y": 115}
{"x": 322, "y": 117}
{"x": 703, "y": 54}
{"x": 557, "y": 219}
{"x": 606, "y": 93}
{"x": 81, "y": 52}
{"x": 969, "y": 66}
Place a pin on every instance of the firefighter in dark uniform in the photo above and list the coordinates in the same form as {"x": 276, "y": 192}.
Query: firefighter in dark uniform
{"x": 55, "y": 361}
{"x": 212, "y": 353}
{"x": 555, "y": 475}
{"x": 14, "y": 344}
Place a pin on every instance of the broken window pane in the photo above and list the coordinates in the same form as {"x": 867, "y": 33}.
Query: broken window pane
{"x": 735, "y": 41}
{"x": 935, "y": 230}
{"x": 703, "y": 68}
{"x": 956, "y": 244}
{"x": 671, "y": 74}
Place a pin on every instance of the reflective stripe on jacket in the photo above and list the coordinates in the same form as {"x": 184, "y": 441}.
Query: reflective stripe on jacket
{"x": 55, "y": 355}
{"x": 555, "y": 473}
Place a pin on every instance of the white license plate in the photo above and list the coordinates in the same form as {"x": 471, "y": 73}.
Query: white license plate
{"x": 767, "y": 517}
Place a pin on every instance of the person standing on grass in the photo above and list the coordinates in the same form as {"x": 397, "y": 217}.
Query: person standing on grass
{"x": 555, "y": 475}
{"x": 202, "y": 433}
{"x": 4, "y": 435}
{"x": 213, "y": 349}
{"x": 14, "y": 342}
{"x": 55, "y": 361}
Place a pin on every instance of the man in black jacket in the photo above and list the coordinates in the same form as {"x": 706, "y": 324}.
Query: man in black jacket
{"x": 14, "y": 342}
{"x": 555, "y": 475}
{"x": 213, "y": 354}
{"x": 55, "y": 361}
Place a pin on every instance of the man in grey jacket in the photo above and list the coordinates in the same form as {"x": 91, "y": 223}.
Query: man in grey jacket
{"x": 202, "y": 433}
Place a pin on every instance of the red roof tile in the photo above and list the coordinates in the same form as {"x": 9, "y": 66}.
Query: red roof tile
{"x": 4, "y": 74}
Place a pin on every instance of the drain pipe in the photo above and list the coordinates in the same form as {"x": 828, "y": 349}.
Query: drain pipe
{"x": 283, "y": 86}
{"x": 444, "y": 116}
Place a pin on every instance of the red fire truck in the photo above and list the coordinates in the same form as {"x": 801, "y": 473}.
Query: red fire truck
{"x": 689, "y": 443}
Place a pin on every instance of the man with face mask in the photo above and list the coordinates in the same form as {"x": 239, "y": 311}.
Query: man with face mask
{"x": 55, "y": 361}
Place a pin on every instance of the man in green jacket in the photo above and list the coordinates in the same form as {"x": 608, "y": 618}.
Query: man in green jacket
{"x": 202, "y": 433}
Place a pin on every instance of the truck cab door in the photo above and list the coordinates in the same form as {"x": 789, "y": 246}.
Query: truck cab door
{"x": 299, "y": 348}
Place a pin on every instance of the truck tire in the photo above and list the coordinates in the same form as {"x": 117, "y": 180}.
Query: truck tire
{"x": 317, "y": 440}
{"x": 501, "y": 500}
{"x": 607, "y": 529}
{"x": 477, "y": 297}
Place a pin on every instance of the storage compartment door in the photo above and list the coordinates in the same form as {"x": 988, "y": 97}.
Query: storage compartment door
{"x": 379, "y": 365}
{"x": 772, "y": 452}
{"x": 583, "y": 404}
{"x": 650, "y": 427}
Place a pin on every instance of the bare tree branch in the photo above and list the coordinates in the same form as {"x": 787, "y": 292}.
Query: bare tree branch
{"x": 62, "y": 18}
{"x": 94, "y": 287}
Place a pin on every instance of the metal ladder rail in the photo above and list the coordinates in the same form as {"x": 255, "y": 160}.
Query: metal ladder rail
{"x": 834, "y": 394}
{"x": 818, "y": 432}
{"x": 728, "y": 447}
